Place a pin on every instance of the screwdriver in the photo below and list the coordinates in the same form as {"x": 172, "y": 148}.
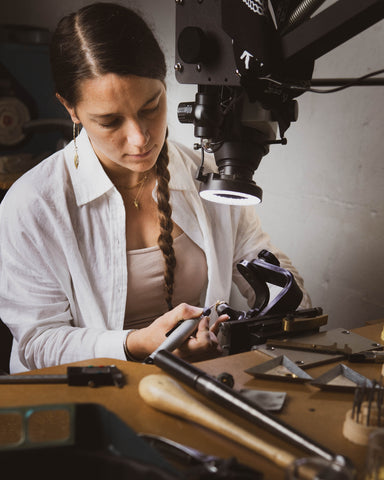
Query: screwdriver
{"x": 179, "y": 333}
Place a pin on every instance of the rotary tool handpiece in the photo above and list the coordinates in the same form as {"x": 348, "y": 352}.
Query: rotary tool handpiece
{"x": 178, "y": 335}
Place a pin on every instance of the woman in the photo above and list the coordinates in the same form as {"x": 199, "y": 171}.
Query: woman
{"x": 94, "y": 260}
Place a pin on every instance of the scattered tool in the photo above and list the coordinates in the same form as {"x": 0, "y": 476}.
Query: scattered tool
{"x": 187, "y": 456}
{"x": 177, "y": 335}
{"x": 90, "y": 376}
{"x": 270, "y": 401}
{"x": 243, "y": 331}
{"x": 226, "y": 397}
{"x": 226, "y": 378}
{"x": 336, "y": 341}
{"x": 303, "y": 358}
{"x": 371, "y": 356}
{"x": 165, "y": 394}
{"x": 367, "y": 413}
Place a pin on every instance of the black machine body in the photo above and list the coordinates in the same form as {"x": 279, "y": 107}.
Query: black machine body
{"x": 250, "y": 60}
{"x": 270, "y": 317}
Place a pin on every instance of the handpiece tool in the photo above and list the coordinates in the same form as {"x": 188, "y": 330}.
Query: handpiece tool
{"x": 177, "y": 335}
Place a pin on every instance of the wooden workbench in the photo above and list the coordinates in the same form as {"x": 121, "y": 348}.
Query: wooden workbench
{"x": 318, "y": 414}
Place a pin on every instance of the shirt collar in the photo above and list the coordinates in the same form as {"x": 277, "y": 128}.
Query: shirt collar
{"x": 89, "y": 180}
{"x": 181, "y": 169}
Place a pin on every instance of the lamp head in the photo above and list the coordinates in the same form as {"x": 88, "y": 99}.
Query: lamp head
{"x": 233, "y": 184}
{"x": 230, "y": 192}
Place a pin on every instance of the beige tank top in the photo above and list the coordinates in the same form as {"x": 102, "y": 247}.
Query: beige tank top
{"x": 145, "y": 297}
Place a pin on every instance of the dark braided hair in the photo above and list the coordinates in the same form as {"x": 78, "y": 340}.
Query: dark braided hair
{"x": 103, "y": 38}
{"x": 165, "y": 239}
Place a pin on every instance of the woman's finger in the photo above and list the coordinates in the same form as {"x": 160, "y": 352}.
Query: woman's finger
{"x": 215, "y": 327}
{"x": 183, "y": 311}
{"x": 203, "y": 326}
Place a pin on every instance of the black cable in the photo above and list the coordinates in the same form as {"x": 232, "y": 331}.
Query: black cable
{"x": 330, "y": 90}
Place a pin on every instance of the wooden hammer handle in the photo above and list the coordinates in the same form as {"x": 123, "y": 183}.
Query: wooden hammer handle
{"x": 163, "y": 393}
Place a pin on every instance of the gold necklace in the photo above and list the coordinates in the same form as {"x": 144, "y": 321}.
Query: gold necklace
{"x": 140, "y": 182}
{"x": 140, "y": 191}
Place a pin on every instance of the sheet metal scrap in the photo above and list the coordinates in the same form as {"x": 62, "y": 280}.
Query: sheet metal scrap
{"x": 336, "y": 341}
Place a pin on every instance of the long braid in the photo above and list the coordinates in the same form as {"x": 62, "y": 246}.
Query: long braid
{"x": 165, "y": 239}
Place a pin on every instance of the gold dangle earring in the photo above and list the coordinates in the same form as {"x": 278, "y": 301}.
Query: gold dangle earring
{"x": 75, "y": 133}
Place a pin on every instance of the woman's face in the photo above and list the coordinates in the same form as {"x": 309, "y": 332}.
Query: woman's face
{"x": 125, "y": 118}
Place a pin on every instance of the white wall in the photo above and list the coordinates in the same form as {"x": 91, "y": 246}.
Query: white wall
{"x": 323, "y": 192}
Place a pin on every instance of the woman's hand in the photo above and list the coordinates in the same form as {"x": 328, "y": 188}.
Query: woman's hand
{"x": 201, "y": 346}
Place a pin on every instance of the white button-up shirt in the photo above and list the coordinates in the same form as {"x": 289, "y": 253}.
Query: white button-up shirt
{"x": 63, "y": 268}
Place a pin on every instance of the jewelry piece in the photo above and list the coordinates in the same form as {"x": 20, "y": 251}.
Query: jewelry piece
{"x": 139, "y": 184}
{"x": 139, "y": 192}
{"x": 75, "y": 133}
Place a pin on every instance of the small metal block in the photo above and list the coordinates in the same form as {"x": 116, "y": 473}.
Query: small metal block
{"x": 226, "y": 378}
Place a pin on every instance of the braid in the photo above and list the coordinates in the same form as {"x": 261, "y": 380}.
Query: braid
{"x": 165, "y": 239}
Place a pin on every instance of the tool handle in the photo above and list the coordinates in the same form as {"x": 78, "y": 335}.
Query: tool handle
{"x": 163, "y": 393}
{"x": 28, "y": 379}
{"x": 176, "y": 338}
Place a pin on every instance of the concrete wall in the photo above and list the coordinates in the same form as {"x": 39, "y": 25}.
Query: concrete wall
{"x": 323, "y": 192}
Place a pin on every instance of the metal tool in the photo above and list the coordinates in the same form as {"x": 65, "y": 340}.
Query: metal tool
{"x": 371, "y": 415}
{"x": 90, "y": 376}
{"x": 227, "y": 397}
{"x": 367, "y": 413}
{"x": 243, "y": 330}
{"x": 371, "y": 356}
{"x": 270, "y": 401}
{"x": 189, "y": 455}
{"x": 165, "y": 394}
{"x": 336, "y": 341}
{"x": 296, "y": 323}
{"x": 177, "y": 335}
{"x": 200, "y": 463}
{"x": 303, "y": 358}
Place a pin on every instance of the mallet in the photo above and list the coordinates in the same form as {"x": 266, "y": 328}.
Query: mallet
{"x": 225, "y": 396}
{"x": 165, "y": 394}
